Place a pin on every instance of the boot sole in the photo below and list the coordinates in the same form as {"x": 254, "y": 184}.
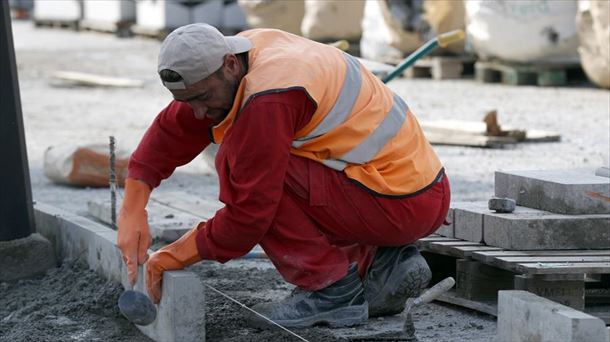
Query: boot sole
{"x": 394, "y": 303}
{"x": 341, "y": 317}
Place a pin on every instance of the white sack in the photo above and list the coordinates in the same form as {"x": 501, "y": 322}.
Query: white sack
{"x": 278, "y": 14}
{"x": 523, "y": 31}
{"x": 594, "y": 33}
{"x": 383, "y": 39}
{"x": 333, "y": 19}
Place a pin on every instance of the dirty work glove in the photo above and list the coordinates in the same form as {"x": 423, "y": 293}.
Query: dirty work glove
{"x": 175, "y": 256}
{"x": 133, "y": 236}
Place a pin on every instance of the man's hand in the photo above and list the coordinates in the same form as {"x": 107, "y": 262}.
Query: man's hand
{"x": 175, "y": 256}
{"x": 133, "y": 236}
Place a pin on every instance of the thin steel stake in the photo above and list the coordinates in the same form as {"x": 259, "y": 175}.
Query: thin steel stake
{"x": 112, "y": 182}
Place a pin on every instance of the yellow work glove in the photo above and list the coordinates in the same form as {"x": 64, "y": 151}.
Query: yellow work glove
{"x": 133, "y": 236}
{"x": 175, "y": 256}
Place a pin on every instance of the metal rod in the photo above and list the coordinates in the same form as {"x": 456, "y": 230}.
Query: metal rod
{"x": 256, "y": 313}
{"x": 407, "y": 62}
{"x": 16, "y": 205}
{"x": 112, "y": 181}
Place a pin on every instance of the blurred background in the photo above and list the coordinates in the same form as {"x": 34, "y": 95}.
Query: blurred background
{"x": 566, "y": 33}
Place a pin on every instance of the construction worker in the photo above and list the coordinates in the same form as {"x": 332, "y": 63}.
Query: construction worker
{"x": 319, "y": 162}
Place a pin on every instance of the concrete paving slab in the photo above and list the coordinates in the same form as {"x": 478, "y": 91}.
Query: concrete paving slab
{"x": 165, "y": 223}
{"x": 573, "y": 192}
{"x": 531, "y": 229}
{"x": 468, "y": 220}
{"x": 523, "y": 316}
{"x": 603, "y": 171}
{"x": 181, "y": 313}
{"x": 194, "y": 205}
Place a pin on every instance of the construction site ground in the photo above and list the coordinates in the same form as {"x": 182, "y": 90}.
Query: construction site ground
{"x": 73, "y": 303}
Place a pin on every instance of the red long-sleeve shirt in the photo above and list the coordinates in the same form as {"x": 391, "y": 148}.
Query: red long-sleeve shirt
{"x": 251, "y": 164}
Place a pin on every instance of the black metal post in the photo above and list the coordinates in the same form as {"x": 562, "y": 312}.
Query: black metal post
{"x": 16, "y": 210}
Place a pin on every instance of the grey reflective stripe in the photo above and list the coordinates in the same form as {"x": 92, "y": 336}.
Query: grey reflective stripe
{"x": 388, "y": 128}
{"x": 369, "y": 147}
{"x": 344, "y": 104}
{"x": 338, "y": 165}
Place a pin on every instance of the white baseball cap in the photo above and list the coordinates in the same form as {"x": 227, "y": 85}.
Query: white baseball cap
{"x": 196, "y": 51}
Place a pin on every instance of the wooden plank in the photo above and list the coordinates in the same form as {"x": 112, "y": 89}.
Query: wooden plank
{"x": 450, "y": 248}
{"x": 555, "y": 268}
{"x": 462, "y": 139}
{"x": 479, "y": 128}
{"x": 536, "y": 135}
{"x": 438, "y": 238}
{"x": 451, "y": 297}
{"x": 512, "y": 263}
{"x": 469, "y": 250}
{"x": 81, "y": 78}
{"x": 557, "y": 259}
{"x": 457, "y": 243}
{"x": 488, "y": 256}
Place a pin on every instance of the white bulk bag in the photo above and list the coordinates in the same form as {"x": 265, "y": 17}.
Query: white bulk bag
{"x": 523, "y": 31}
{"x": 333, "y": 19}
{"x": 278, "y": 14}
{"x": 383, "y": 39}
{"x": 594, "y": 33}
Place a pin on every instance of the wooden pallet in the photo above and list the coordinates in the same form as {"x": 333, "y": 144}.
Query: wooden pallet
{"x": 64, "y": 24}
{"x": 441, "y": 67}
{"x": 145, "y": 31}
{"x": 525, "y": 74}
{"x": 577, "y": 278}
{"x": 121, "y": 29}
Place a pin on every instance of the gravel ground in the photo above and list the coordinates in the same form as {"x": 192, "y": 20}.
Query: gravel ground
{"x": 56, "y": 115}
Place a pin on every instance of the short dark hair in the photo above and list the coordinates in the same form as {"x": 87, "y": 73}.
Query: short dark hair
{"x": 168, "y": 75}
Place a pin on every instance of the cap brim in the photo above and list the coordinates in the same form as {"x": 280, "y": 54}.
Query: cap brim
{"x": 239, "y": 44}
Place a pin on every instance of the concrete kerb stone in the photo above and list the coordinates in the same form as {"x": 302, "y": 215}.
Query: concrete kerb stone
{"x": 181, "y": 313}
{"x": 523, "y": 316}
{"x": 571, "y": 192}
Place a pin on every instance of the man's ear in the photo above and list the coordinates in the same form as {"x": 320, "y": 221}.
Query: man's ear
{"x": 232, "y": 64}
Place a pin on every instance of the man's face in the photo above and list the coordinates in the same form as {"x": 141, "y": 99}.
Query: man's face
{"x": 212, "y": 97}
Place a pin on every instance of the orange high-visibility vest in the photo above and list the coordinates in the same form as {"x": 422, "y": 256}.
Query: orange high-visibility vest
{"x": 359, "y": 127}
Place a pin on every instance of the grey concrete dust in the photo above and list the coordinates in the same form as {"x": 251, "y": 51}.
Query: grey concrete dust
{"x": 69, "y": 303}
{"x": 70, "y": 116}
{"x": 252, "y": 281}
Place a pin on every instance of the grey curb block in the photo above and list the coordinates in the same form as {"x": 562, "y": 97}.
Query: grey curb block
{"x": 181, "y": 313}
{"x": 524, "y": 316}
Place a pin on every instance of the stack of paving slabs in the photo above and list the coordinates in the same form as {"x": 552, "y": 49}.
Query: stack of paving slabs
{"x": 556, "y": 209}
{"x": 556, "y": 243}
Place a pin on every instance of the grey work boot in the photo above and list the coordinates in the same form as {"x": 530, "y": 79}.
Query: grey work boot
{"x": 338, "y": 305}
{"x": 396, "y": 274}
